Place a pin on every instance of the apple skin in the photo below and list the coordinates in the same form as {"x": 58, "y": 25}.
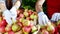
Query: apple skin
{"x": 45, "y": 32}
{"x": 30, "y": 12}
{"x": 11, "y": 32}
{"x": 20, "y": 24}
{"x": 34, "y": 28}
{"x": 15, "y": 27}
{"x": 28, "y": 18}
{"x": 8, "y": 28}
{"x": 6, "y": 33}
{"x": 51, "y": 28}
{"x": 3, "y": 23}
{"x": 26, "y": 14}
{"x": 19, "y": 32}
{"x": 26, "y": 29}
{"x": 26, "y": 23}
{"x": 21, "y": 15}
{"x": 2, "y": 29}
{"x": 1, "y": 18}
{"x": 32, "y": 16}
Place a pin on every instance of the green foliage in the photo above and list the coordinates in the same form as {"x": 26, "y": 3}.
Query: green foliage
{"x": 30, "y": 4}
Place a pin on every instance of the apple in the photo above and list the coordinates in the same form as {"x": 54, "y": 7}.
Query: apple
{"x": 30, "y": 12}
{"x": 25, "y": 14}
{"x": 11, "y": 32}
{"x": 45, "y": 32}
{"x": 26, "y": 10}
{"x": 51, "y": 28}
{"x": 8, "y": 28}
{"x": 32, "y": 16}
{"x": 15, "y": 27}
{"x": 20, "y": 24}
{"x": 2, "y": 29}
{"x": 19, "y": 32}
{"x": 36, "y": 32}
{"x": 21, "y": 19}
{"x": 58, "y": 22}
{"x": 3, "y": 23}
{"x": 0, "y": 33}
{"x": 26, "y": 29}
{"x": 6, "y": 33}
{"x": 0, "y": 18}
{"x": 28, "y": 18}
{"x": 35, "y": 16}
{"x": 21, "y": 15}
{"x": 26, "y": 23}
{"x": 34, "y": 29}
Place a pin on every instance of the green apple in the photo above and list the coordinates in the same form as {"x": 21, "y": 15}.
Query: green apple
{"x": 0, "y": 18}
{"x": 26, "y": 23}
{"x": 35, "y": 16}
{"x": 26, "y": 33}
{"x": 50, "y": 28}
{"x": 34, "y": 29}
{"x": 58, "y": 22}
{"x": 21, "y": 19}
{"x": 15, "y": 27}
{"x": 32, "y": 16}
{"x": 26, "y": 14}
{"x": 26, "y": 10}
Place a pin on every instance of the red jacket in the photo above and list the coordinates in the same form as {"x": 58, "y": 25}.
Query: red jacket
{"x": 53, "y": 6}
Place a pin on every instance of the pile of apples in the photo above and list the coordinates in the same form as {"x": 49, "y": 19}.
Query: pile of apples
{"x": 25, "y": 23}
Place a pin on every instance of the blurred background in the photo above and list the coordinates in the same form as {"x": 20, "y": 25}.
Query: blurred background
{"x": 30, "y": 4}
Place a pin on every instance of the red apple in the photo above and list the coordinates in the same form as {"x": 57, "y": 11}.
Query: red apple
{"x": 30, "y": 12}
{"x": 2, "y": 29}
{"x": 11, "y": 32}
{"x": 26, "y": 29}
{"x": 3, "y": 23}
{"x": 20, "y": 24}
{"x": 8, "y": 28}
{"x": 21, "y": 15}
{"x": 28, "y": 18}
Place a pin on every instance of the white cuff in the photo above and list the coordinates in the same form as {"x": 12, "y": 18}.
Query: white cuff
{"x": 41, "y": 13}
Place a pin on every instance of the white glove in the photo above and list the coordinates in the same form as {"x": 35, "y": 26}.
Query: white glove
{"x": 7, "y": 15}
{"x": 12, "y": 14}
{"x": 14, "y": 10}
{"x": 43, "y": 19}
{"x": 55, "y": 17}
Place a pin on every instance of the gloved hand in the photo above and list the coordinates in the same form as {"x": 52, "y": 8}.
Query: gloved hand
{"x": 55, "y": 17}
{"x": 43, "y": 19}
{"x": 11, "y": 14}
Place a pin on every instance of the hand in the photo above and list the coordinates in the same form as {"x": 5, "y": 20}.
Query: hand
{"x": 39, "y": 4}
{"x": 2, "y": 7}
{"x": 55, "y": 17}
{"x": 18, "y": 3}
